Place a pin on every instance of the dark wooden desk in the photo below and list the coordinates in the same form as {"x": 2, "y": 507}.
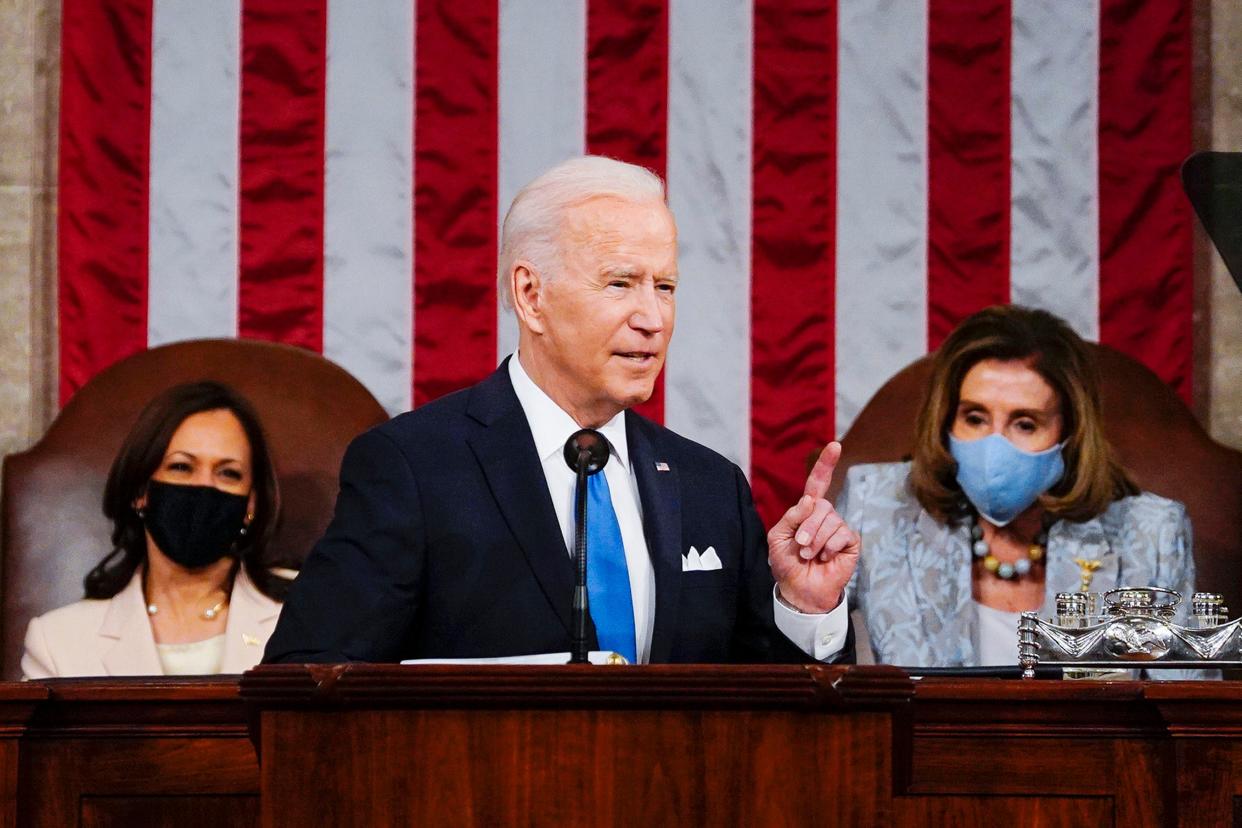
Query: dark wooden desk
{"x": 368, "y": 745}
{"x": 142, "y": 751}
{"x": 375, "y": 745}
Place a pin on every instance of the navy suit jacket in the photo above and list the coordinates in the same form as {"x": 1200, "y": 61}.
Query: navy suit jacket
{"x": 445, "y": 544}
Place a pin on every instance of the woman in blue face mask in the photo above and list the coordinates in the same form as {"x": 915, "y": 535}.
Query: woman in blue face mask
{"x": 187, "y": 588}
{"x": 1012, "y": 496}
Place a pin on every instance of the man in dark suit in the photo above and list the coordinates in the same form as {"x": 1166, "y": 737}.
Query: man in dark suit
{"x": 453, "y": 524}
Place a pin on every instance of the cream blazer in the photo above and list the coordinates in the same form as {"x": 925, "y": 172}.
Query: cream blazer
{"x": 113, "y": 637}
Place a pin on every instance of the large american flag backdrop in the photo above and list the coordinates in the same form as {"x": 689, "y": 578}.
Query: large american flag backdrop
{"x": 850, "y": 178}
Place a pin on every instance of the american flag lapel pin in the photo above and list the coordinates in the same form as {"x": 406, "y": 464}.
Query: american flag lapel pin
{"x": 661, "y": 465}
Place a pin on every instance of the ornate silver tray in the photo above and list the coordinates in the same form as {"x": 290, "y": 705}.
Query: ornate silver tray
{"x": 1130, "y": 627}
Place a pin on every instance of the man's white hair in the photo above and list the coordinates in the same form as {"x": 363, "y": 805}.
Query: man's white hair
{"x": 533, "y": 224}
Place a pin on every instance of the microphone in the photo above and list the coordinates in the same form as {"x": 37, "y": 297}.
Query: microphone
{"x": 586, "y": 448}
{"x": 586, "y": 453}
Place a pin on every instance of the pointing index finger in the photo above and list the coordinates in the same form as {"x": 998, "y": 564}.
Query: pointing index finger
{"x": 821, "y": 474}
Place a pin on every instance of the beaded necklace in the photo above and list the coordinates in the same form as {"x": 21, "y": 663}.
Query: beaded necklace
{"x": 1006, "y": 570}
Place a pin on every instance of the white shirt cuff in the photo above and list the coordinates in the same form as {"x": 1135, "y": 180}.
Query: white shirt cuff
{"x": 819, "y": 635}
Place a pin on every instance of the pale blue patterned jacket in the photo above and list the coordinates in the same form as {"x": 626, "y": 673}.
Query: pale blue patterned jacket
{"x": 912, "y": 587}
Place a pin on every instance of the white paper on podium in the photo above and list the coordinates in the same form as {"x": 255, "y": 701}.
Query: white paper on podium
{"x": 595, "y": 657}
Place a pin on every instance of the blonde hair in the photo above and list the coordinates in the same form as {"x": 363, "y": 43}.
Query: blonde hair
{"x": 532, "y": 224}
{"x": 1093, "y": 479}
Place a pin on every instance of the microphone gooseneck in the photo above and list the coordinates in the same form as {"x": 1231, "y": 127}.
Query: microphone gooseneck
{"x": 586, "y": 453}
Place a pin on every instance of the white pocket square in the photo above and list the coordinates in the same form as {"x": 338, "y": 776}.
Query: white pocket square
{"x": 694, "y": 561}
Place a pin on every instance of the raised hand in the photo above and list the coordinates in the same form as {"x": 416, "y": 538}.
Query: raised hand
{"x": 811, "y": 551}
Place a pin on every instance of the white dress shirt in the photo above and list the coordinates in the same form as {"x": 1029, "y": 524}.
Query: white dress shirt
{"x": 820, "y": 636}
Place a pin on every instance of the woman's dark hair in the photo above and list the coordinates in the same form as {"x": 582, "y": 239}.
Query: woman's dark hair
{"x": 1045, "y": 343}
{"x": 141, "y": 455}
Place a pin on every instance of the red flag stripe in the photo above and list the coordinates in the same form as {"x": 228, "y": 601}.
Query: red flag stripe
{"x": 627, "y": 96}
{"x": 968, "y": 160}
{"x": 280, "y": 244}
{"x": 105, "y": 128}
{"x": 456, "y": 53}
{"x": 793, "y": 232}
{"x": 1146, "y": 277}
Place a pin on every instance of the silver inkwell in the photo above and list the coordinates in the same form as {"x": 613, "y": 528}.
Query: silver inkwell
{"x": 1127, "y": 628}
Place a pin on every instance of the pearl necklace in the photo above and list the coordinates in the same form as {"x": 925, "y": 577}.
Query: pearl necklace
{"x": 1005, "y": 570}
{"x": 208, "y": 614}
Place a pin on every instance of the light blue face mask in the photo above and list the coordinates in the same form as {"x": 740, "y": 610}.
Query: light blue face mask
{"x": 1000, "y": 479}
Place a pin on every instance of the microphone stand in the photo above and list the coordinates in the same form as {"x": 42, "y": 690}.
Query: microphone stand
{"x": 586, "y": 452}
{"x": 581, "y": 604}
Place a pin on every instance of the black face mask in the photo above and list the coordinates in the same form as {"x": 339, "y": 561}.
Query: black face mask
{"x": 194, "y": 525}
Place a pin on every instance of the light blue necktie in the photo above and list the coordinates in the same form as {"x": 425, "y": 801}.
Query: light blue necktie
{"x": 608, "y": 578}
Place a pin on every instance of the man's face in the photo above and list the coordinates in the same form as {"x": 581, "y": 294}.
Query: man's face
{"x": 607, "y": 313}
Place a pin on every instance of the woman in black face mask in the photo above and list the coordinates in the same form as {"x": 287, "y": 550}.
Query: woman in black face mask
{"x": 186, "y": 589}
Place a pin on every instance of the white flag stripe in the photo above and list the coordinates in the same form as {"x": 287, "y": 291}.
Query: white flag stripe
{"x": 193, "y": 201}
{"x": 542, "y": 92}
{"x": 368, "y": 195}
{"x": 707, "y": 377}
{"x": 1054, "y": 247}
{"x": 881, "y": 245}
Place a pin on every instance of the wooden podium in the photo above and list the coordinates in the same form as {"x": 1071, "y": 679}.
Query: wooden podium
{"x": 798, "y": 745}
{"x": 574, "y": 745}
